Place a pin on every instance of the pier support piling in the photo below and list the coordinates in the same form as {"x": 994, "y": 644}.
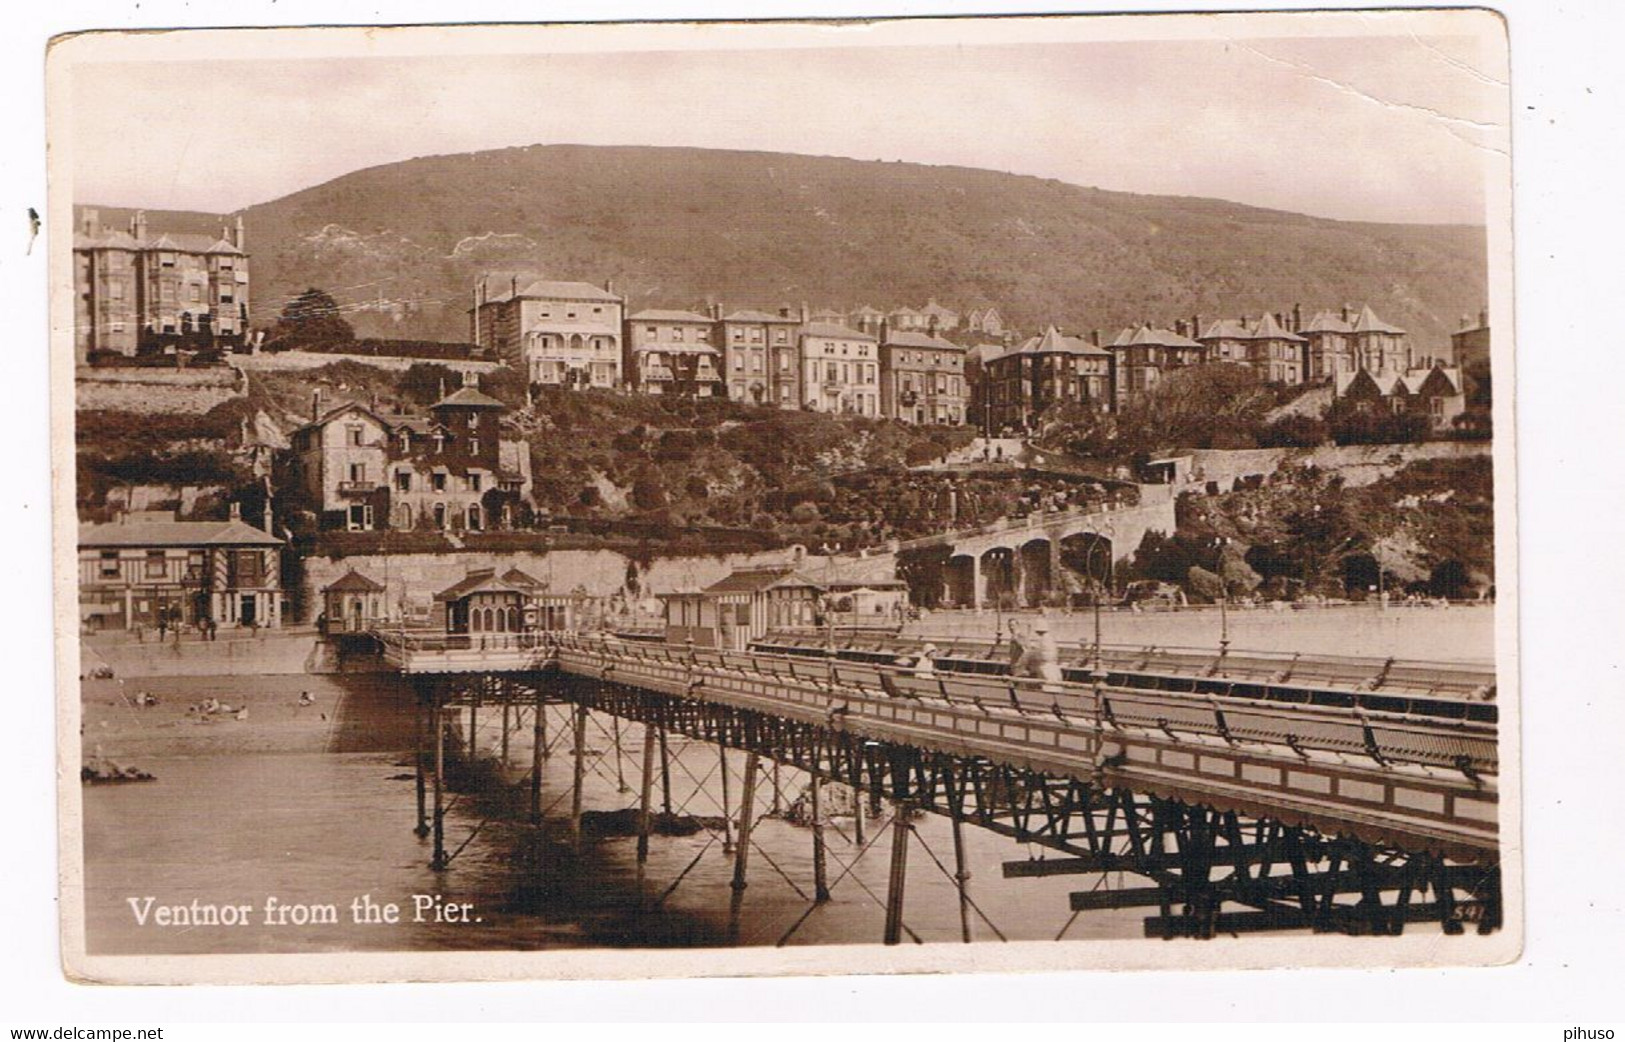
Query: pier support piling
{"x": 580, "y": 773}
{"x": 438, "y": 860}
{"x": 665, "y": 775}
{"x": 537, "y": 752}
{"x": 899, "y": 875}
{"x": 820, "y": 872}
{"x": 507, "y": 717}
{"x": 961, "y": 872}
{"x": 747, "y": 811}
{"x": 421, "y": 767}
{"x": 727, "y": 801}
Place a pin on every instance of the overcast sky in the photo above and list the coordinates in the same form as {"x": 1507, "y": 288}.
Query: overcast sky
{"x": 1389, "y": 128}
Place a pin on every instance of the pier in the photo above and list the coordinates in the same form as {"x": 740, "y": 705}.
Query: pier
{"x": 1267, "y": 793}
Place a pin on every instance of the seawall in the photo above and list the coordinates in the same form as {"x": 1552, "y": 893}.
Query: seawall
{"x": 156, "y": 390}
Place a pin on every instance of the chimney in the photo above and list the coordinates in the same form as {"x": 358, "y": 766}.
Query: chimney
{"x": 1196, "y": 326}
{"x": 885, "y": 330}
{"x": 236, "y": 511}
{"x": 1179, "y": 327}
{"x": 609, "y": 285}
{"x": 1345, "y": 314}
{"x": 1297, "y": 317}
{"x": 92, "y": 223}
{"x": 805, "y": 314}
{"x": 138, "y": 225}
{"x": 266, "y": 516}
{"x": 1094, "y": 337}
{"x": 716, "y": 311}
{"x": 1483, "y": 318}
{"x": 315, "y": 405}
{"x": 239, "y": 240}
{"x": 514, "y": 285}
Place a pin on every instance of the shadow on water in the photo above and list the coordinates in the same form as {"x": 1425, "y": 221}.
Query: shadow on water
{"x": 547, "y": 876}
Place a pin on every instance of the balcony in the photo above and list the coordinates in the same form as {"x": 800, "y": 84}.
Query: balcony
{"x": 357, "y": 488}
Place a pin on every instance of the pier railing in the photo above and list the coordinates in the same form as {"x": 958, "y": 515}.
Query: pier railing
{"x": 1385, "y": 777}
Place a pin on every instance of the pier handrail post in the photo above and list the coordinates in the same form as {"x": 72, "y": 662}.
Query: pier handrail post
{"x": 438, "y": 860}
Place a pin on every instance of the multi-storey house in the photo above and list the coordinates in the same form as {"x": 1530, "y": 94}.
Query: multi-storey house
{"x": 671, "y": 353}
{"x": 361, "y": 469}
{"x": 1435, "y": 393}
{"x": 560, "y": 334}
{"x": 148, "y": 568}
{"x": 760, "y": 354}
{"x": 1045, "y": 371}
{"x": 1143, "y": 356}
{"x": 922, "y": 378}
{"x": 1470, "y": 345}
{"x": 1327, "y": 351}
{"x": 840, "y": 369}
{"x": 136, "y": 293}
{"x": 1377, "y": 346}
{"x": 1266, "y": 346}
{"x": 986, "y": 321}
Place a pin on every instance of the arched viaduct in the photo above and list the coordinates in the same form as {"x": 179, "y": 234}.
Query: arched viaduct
{"x": 1023, "y": 563}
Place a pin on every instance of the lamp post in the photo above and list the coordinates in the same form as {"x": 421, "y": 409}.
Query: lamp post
{"x": 1224, "y": 600}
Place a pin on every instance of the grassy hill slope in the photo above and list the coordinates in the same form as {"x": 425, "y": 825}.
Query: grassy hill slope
{"x": 676, "y": 226}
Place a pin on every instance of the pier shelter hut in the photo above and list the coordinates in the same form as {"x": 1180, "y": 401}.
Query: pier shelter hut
{"x": 871, "y": 601}
{"x": 484, "y": 602}
{"x": 352, "y": 603}
{"x": 742, "y": 607}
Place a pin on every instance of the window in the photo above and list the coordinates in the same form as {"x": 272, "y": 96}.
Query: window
{"x": 652, "y": 331}
{"x": 406, "y": 440}
{"x": 225, "y": 298}
{"x": 756, "y": 336}
{"x": 360, "y": 520}
{"x": 739, "y": 363}
{"x": 473, "y": 421}
{"x": 781, "y": 336}
{"x": 474, "y": 482}
{"x": 156, "y": 565}
{"x": 474, "y": 447}
{"x": 677, "y": 335}
{"x": 358, "y": 472}
{"x": 352, "y": 435}
{"x": 197, "y": 293}
{"x": 438, "y": 481}
{"x": 403, "y": 480}
{"x": 569, "y": 314}
{"x": 108, "y": 566}
{"x": 739, "y": 336}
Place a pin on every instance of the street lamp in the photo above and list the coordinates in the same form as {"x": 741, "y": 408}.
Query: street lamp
{"x": 1098, "y": 673}
{"x": 1224, "y": 599}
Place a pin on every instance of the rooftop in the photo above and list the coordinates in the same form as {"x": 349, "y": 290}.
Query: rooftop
{"x": 146, "y": 530}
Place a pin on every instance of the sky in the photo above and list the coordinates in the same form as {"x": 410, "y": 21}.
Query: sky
{"x": 1381, "y": 127}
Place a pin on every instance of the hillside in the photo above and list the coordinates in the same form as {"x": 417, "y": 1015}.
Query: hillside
{"x": 401, "y": 243}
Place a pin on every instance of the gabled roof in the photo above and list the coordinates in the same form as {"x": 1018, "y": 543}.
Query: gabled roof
{"x": 485, "y": 580}
{"x": 933, "y": 308}
{"x": 1325, "y": 322}
{"x": 1269, "y": 329}
{"x": 1226, "y": 329}
{"x": 1053, "y": 341}
{"x": 1438, "y": 380}
{"x": 467, "y": 397}
{"x": 516, "y": 577}
{"x": 752, "y": 315}
{"x": 339, "y": 410}
{"x": 668, "y": 315}
{"x": 353, "y": 581}
{"x": 834, "y": 332}
{"x": 174, "y": 533}
{"x": 548, "y": 289}
{"x": 1146, "y": 336}
{"x": 756, "y": 580}
{"x": 910, "y": 338}
{"x": 1368, "y": 322}
{"x": 985, "y": 352}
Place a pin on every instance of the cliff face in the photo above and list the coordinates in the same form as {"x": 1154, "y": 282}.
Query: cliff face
{"x": 400, "y": 245}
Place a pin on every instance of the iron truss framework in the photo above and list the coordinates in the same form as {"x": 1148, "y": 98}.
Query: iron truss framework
{"x": 1209, "y": 871}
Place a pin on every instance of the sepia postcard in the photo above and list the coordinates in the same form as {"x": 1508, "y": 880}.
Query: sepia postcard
{"x": 727, "y": 498}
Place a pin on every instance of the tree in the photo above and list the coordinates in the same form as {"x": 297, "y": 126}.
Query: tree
{"x": 311, "y": 319}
